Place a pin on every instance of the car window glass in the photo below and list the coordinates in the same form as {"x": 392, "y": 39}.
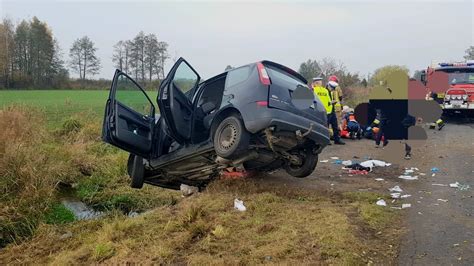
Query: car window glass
{"x": 236, "y": 76}
{"x": 282, "y": 78}
{"x": 185, "y": 78}
{"x": 130, "y": 95}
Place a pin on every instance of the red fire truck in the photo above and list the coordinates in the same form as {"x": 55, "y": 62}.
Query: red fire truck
{"x": 455, "y": 86}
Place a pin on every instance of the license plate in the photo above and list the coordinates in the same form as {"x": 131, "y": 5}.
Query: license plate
{"x": 456, "y": 103}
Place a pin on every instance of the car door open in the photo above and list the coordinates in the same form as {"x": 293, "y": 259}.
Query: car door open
{"x": 129, "y": 117}
{"x": 174, "y": 100}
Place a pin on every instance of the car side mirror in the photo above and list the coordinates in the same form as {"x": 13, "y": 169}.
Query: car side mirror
{"x": 208, "y": 107}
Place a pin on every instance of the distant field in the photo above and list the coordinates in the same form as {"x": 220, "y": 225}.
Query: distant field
{"x": 59, "y": 105}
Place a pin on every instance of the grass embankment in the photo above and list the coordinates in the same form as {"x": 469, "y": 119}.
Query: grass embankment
{"x": 35, "y": 163}
{"x": 281, "y": 225}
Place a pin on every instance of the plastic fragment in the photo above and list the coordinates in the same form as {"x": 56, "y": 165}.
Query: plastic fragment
{"x": 239, "y": 205}
{"x": 381, "y": 202}
{"x": 395, "y": 189}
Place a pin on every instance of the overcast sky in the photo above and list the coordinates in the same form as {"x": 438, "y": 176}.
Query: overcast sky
{"x": 211, "y": 35}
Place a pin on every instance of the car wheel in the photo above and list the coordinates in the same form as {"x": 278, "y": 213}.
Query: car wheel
{"x": 137, "y": 172}
{"x": 231, "y": 137}
{"x": 309, "y": 162}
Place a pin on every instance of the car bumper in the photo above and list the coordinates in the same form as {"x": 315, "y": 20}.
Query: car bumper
{"x": 264, "y": 117}
{"x": 465, "y": 106}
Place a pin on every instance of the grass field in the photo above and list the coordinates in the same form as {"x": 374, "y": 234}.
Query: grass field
{"x": 59, "y": 105}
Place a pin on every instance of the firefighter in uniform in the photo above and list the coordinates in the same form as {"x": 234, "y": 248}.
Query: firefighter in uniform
{"x": 324, "y": 96}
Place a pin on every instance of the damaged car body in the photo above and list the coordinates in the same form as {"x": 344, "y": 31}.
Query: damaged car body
{"x": 260, "y": 117}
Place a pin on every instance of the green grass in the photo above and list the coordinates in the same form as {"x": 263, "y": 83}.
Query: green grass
{"x": 59, "y": 214}
{"x": 59, "y": 105}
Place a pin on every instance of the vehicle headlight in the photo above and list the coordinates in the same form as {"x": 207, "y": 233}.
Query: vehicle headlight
{"x": 464, "y": 97}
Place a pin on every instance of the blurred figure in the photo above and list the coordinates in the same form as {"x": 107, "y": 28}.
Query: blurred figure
{"x": 336, "y": 95}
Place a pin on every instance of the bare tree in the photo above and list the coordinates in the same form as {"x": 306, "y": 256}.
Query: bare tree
{"x": 83, "y": 59}
{"x": 152, "y": 55}
{"x": 163, "y": 49}
{"x": 118, "y": 56}
{"x": 310, "y": 69}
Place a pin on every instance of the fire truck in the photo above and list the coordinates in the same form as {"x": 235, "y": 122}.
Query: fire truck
{"x": 455, "y": 91}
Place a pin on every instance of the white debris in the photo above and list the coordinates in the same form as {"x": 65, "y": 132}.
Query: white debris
{"x": 433, "y": 174}
{"x": 381, "y": 203}
{"x": 395, "y": 195}
{"x": 335, "y": 158}
{"x": 188, "y": 190}
{"x": 420, "y": 213}
{"x": 409, "y": 171}
{"x": 395, "y": 189}
{"x": 443, "y": 200}
{"x": 347, "y": 163}
{"x": 440, "y": 185}
{"x": 405, "y": 196}
{"x": 239, "y": 205}
{"x": 379, "y": 179}
{"x": 324, "y": 161}
{"x": 454, "y": 185}
{"x": 406, "y": 205}
{"x": 408, "y": 177}
{"x": 374, "y": 163}
{"x": 422, "y": 174}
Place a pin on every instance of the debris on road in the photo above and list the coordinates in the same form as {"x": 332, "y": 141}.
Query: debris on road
{"x": 358, "y": 172}
{"x": 408, "y": 177}
{"x": 381, "y": 202}
{"x": 239, "y": 205}
{"x": 379, "y": 179}
{"x": 374, "y": 163}
{"x": 443, "y": 200}
{"x": 434, "y": 170}
{"x": 334, "y": 158}
{"x": 347, "y": 163}
{"x": 459, "y": 186}
{"x": 405, "y": 196}
{"x": 440, "y": 185}
{"x": 395, "y": 189}
{"x": 406, "y": 205}
{"x": 395, "y": 195}
{"x": 324, "y": 161}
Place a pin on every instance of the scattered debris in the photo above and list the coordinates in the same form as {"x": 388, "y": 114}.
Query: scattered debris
{"x": 375, "y": 163}
{"x": 395, "y": 189}
{"x": 358, "y": 172}
{"x": 443, "y": 200}
{"x": 334, "y": 158}
{"x": 422, "y": 174}
{"x": 188, "y": 190}
{"x": 68, "y": 234}
{"x": 239, "y": 205}
{"x": 456, "y": 245}
{"x": 379, "y": 179}
{"x": 347, "y": 163}
{"x": 324, "y": 161}
{"x": 434, "y": 170}
{"x": 405, "y": 196}
{"x": 406, "y": 205}
{"x": 420, "y": 213}
{"x": 395, "y": 195}
{"x": 440, "y": 185}
{"x": 381, "y": 202}
{"x": 459, "y": 186}
{"x": 338, "y": 161}
{"x": 408, "y": 177}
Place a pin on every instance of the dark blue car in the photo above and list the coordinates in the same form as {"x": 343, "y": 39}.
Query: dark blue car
{"x": 260, "y": 116}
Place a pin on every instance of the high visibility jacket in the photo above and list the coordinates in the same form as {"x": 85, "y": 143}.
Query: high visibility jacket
{"x": 325, "y": 97}
{"x": 337, "y": 95}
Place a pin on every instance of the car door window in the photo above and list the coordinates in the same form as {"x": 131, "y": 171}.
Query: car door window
{"x": 128, "y": 93}
{"x": 185, "y": 79}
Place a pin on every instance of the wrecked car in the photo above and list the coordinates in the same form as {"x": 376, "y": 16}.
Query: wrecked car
{"x": 259, "y": 117}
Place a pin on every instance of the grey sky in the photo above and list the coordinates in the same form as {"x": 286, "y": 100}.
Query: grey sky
{"x": 211, "y": 35}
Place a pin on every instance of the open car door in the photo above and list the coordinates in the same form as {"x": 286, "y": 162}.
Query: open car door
{"x": 129, "y": 117}
{"x": 174, "y": 100}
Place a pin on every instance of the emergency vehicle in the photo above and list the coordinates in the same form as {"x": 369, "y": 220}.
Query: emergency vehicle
{"x": 459, "y": 95}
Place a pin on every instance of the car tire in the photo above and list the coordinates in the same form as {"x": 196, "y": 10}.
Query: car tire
{"x": 310, "y": 160}
{"x": 137, "y": 172}
{"x": 231, "y": 137}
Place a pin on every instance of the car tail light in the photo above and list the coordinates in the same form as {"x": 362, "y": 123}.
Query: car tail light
{"x": 263, "y": 75}
{"x": 262, "y": 103}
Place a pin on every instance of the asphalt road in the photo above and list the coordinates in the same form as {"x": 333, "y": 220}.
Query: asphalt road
{"x": 439, "y": 226}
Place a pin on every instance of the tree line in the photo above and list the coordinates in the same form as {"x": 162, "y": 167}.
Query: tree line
{"x": 30, "y": 57}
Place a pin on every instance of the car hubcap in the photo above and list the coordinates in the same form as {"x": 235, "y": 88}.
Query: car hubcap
{"x": 228, "y": 136}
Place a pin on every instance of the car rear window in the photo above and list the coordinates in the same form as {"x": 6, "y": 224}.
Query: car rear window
{"x": 236, "y": 76}
{"x": 283, "y": 78}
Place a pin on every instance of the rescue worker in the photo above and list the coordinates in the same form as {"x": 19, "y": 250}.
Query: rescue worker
{"x": 350, "y": 124}
{"x": 324, "y": 96}
{"x": 336, "y": 94}
{"x": 433, "y": 96}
